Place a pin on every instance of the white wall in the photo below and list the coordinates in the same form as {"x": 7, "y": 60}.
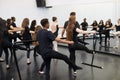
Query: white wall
{"x": 91, "y": 9}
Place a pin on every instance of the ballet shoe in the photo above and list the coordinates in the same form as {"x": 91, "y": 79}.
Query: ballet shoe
{"x": 28, "y": 62}
{"x": 41, "y": 72}
{"x": 1, "y": 60}
{"x": 7, "y": 67}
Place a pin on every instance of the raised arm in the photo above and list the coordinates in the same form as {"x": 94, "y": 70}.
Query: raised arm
{"x": 85, "y": 32}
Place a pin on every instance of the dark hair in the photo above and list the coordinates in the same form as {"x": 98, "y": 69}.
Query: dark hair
{"x": 32, "y": 26}
{"x": 8, "y": 22}
{"x": 12, "y": 18}
{"x": 44, "y": 22}
{"x": 72, "y": 14}
{"x": 54, "y": 19}
{"x": 94, "y": 23}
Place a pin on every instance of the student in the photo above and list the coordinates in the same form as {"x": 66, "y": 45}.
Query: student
{"x": 76, "y": 24}
{"x": 32, "y": 28}
{"x": 55, "y": 30}
{"x": 71, "y": 33}
{"x": 45, "y": 39}
{"x": 84, "y": 24}
{"x": 116, "y": 34}
{"x": 94, "y": 25}
{"x": 101, "y": 27}
{"x": 107, "y": 32}
{"x": 26, "y": 34}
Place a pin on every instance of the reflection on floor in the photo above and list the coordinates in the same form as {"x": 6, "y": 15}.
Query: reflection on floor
{"x": 59, "y": 69}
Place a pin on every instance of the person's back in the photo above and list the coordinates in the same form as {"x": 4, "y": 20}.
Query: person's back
{"x": 45, "y": 39}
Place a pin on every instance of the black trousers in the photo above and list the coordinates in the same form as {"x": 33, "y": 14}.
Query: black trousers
{"x": 100, "y": 35}
{"x": 107, "y": 35}
{"x": 4, "y": 47}
{"x": 77, "y": 46}
{"x": 55, "y": 55}
{"x": 27, "y": 45}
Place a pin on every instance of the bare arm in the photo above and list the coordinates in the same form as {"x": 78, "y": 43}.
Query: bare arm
{"x": 64, "y": 41}
{"x": 32, "y": 32}
{"x": 84, "y": 32}
{"x": 63, "y": 31}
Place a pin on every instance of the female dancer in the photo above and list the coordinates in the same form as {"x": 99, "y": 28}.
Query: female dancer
{"x": 71, "y": 35}
{"x": 101, "y": 27}
{"x": 116, "y": 34}
{"x": 107, "y": 32}
{"x": 26, "y": 34}
{"x": 95, "y": 25}
{"x": 55, "y": 30}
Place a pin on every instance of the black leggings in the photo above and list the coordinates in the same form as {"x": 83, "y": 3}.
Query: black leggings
{"x": 77, "y": 46}
{"x": 4, "y": 47}
{"x": 27, "y": 45}
{"x": 55, "y": 55}
{"x": 107, "y": 35}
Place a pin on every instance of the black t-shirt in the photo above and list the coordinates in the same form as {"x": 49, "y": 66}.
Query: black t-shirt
{"x": 117, "y": 28}
{"x": 84, "y": 25}
{"x": 27, "y": 35}
{"x": 76, "y": 24}
{"x": 13, "y": 24}
{"x": 45, "y": 39}
{"x": 74, "y": 38}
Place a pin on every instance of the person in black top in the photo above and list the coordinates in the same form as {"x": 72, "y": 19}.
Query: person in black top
{"x": 84, "y": 24}
{"x": 101, "y": 27}
{"x": 45, "y": 39}
{"x": 26, "y": 35}
{"x": 107, "y": 32}
{"x": 76, "y": 24}
{"x": 32, "y": 28}
{"x": 55, "y": 30}
{"x": 94, "y": 25}
{"x": 13, "y": 19}
{"x": 72, "y": 32}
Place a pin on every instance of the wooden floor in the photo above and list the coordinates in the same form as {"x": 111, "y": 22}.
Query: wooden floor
{"x": 59, "y": 69}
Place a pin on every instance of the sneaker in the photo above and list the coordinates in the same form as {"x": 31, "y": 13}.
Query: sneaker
{"x": 41, "y": 72}
{"x": 7, "y": 67}
{"x": 28, "y": 61}
{"x": 1, "y": 60}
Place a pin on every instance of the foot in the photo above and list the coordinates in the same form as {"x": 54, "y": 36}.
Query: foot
{"x": 77, "y": 68}
{"x": 116, "y": 47}
{"x": 35, "y": 55}
{"x": 28, "y": 61}
{"x": 86, "y": 43}
{"x": 7, "y": 67}
{"x": 1, "y": 60}
{"x": 41, "y": 72}
{"x": 75, "y": 72}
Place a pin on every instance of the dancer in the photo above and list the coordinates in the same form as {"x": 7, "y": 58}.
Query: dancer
{"x": 26, "y": 34}
{"x": 55, "y": 30}
{"x": 101, "y": 27}
{"x": 32, "y": 28}
{"x": 116, "y": 34}
{"x": 45, "y": 39}
{"x": 95, "y": 25}
{"x": 76, "y": 25}
{"x": 71, "y": 33}
{"x": 107, "y": 32}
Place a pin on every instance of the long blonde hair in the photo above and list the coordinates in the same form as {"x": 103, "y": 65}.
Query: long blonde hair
{"x": 25, "y": 23}
{"x": 70, "y": 27}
